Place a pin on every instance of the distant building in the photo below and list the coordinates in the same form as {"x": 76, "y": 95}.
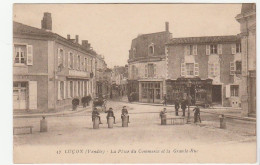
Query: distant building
{"x": 119, "y": 80}
{"x": 146, "y": 66}
{"x": 48, "y": 69}
{"x": 102, "y": 84}
{"x": 247, "y": 20}
{"x": 213, "y": 66}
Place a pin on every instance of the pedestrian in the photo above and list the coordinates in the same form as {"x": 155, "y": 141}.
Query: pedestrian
{"x": 125, "y": 113}
{"x": 163, "y": 112}
{"x": 196, "y": 114}
{"x": 183, "y": 106}
{"x": 95, "y": 114}
{"x": 110, "y": 113}
{"x": 164, "y": 100}
{"x": 177, "y": 106}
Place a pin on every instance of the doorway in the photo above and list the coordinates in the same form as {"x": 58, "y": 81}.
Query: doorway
{"x": 217, "y": 94}
{"x": 19, "y": 95}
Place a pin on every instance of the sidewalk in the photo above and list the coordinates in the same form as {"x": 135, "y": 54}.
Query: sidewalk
{"x": 61, "y": 113}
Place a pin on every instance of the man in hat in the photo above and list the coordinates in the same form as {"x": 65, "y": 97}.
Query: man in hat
{"x": 95, "y": 113}
{"x": 183, "y": 106}
{"x": 196, "y": 114}
{"x": 177, "y": 106}
{"x": 110, "y": 113}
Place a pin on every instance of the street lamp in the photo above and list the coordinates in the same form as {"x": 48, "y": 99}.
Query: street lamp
{"x": 189, "y": 86}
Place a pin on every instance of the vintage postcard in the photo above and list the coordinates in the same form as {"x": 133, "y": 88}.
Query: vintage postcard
{"x": 134, "y": 83}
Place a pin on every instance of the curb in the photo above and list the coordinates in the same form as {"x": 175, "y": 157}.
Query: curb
{"x": 50, "y": 114}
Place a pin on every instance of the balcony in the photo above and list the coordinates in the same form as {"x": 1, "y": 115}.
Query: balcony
{"x": 79, "y": 74}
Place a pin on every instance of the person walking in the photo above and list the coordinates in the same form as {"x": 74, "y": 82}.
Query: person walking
{"x": 177, "y": 106}
{"x": 95, "y": 114}
{"x": 125, "y": 113}
{"x": 196, "y": 114}
{"x": 110, "y": 113}
{"x": 183, "y": 106}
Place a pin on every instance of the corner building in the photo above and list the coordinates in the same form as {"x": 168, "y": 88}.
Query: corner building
{"x": 146, "y": 66}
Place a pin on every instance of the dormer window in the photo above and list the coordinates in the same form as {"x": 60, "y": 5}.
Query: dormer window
{"x": 151, "y": 49}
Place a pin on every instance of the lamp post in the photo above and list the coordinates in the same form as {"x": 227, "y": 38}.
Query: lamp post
{"x": 189, "y": 86}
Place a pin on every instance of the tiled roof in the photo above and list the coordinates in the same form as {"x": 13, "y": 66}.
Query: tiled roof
{"x": 20, "y": 28}
{"x": 206, "y": 39}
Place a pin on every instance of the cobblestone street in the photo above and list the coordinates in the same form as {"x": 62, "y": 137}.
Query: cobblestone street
{"x": 144, "y": 130}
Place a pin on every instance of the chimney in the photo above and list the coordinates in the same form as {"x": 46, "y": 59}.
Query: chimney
{"x": 85, "y": 44}
{"x": 47, "y": 22}
{"x": 167, "y": 26}
{"x": 77, "y": 39}
{"x": 68, "y": 36}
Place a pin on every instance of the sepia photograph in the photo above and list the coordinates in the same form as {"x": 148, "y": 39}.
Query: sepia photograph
{"x": 134, "y": 83}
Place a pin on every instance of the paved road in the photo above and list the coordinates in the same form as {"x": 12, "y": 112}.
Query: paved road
{"x": 144, "y": 131}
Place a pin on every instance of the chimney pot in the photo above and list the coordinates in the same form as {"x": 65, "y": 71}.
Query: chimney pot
{"x": 47, "y": 21}
{"x": 167, "y": 26}
{"x": 68, "y": 36}
{"x": 77, "y": 38}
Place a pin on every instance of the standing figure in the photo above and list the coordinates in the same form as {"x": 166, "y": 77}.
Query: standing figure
{"x": 163, "y": 112}
{"x": 196, "y": 114}
{"x": 183, "y": 106}
{"x": 110, "y": 113}
{"x": 125, "y": 113}
{"x": 95, "y": 113}
{"x": 177, "y": 106}
{"x": 165, "y": 100}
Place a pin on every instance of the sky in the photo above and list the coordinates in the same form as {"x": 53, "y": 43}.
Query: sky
{"x": 110, "y": 28}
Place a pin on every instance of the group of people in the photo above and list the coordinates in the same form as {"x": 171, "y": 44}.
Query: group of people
{"x": 110, "y": 113}
{"x": 196, "y": 110}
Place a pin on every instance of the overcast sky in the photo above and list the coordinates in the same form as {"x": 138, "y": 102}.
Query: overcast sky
{"x": 110, "y": 28}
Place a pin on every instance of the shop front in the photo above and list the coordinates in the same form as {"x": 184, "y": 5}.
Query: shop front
{"x": 151, "y": 91}
{"x": 199, "y": 90}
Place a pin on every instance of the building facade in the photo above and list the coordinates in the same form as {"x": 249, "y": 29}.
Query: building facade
{"x": 48, "y": 69}
{"x": 247, "y": 20}
{"x": 146, "y": 66}
{"x": 212, "y": 65}
{"x": 119, "y": 80}
{"x": 102, "y": 81}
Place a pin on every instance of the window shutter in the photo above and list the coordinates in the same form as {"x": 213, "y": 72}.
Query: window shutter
{"x": 232, "y": 68}
{"x": 227, "y": 91}
{"x": 185, "y": 50}
{"x": 233, "y": 48}
{"x": 219, "y": 48}
{"x": 59, "y": 57}
{"x": 154, "y": 70}
{"x": 64, "y": 90}
{"x": 68, "y": 59}
{"x": 207, "y": 49}
{"x": 32, "y": 94}
{"x": 29, "y": 55}
{"x": 196, "y": 69}
{"x": 64, "y": 58}
{"x": 146, "y": 70}
{"x": 194, "y": 50}
{"x": 59, "y": 96}
{"x": 68, "y": 89}
{"x": 182, "y": 69}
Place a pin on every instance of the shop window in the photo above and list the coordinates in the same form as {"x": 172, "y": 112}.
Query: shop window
{"x": 234, "y": 89}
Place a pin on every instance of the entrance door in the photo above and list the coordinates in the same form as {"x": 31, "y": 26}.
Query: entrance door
{"x": 19, "y": 96}
{"x": 151, "y": 96}
{"x": 216, "y": 94}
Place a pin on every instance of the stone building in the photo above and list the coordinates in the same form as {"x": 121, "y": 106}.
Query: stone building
{"x": 146, "y": 66}
{"x": 211, "y": 64}
{"x": 102, "y": 83}
{"x": 247, "y": 20}
{"x": 48, "y": 69}
{"x": 119, "y": 80}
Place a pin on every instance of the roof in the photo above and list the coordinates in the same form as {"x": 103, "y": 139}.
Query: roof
{"x": 206, "y": 39}
{"x": 20, "y": 28}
